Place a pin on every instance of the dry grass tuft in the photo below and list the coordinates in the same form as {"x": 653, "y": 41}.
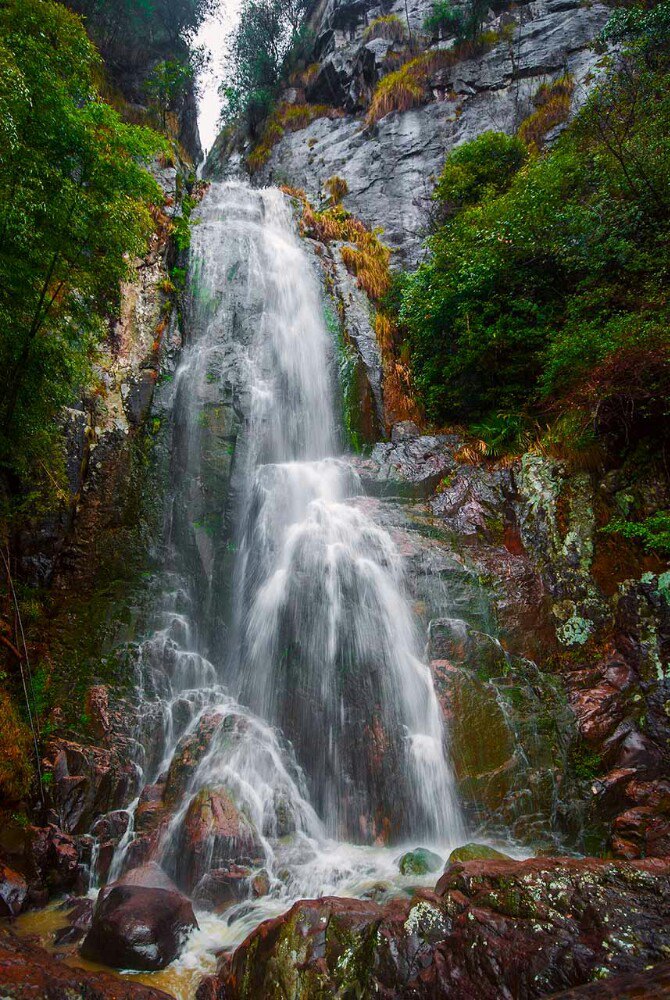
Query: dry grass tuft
{"x": 553, "y": 102}
{"x": 409, "y": 86}
{"x": 336, "y": 188}
{"x": 286, "y": 118}
{"x": 389, "y": 27}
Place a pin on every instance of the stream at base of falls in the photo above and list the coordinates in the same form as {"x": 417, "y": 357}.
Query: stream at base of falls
{"x": 289, "y": 733}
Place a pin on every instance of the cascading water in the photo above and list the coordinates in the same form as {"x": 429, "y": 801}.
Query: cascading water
{"x": 287, "y": 635}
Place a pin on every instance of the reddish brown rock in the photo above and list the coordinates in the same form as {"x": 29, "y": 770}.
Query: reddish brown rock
{"x": 97, "y": 710}
{"x": 88, "y": 782}
{"x": 222, "y": 887}
{"x": 653, "y": 984}
{"x": 139, "y": 922}
{"x": 31, "y": 973}
{"x": 214, "y": 834}
{"x": 190, "y": 750}
{"x": 54, "y": 859}
{"x": 13, "y": 892}
{"x": 490, "y": 929}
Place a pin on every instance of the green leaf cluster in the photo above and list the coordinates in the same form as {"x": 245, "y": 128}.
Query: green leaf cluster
{"x": 547, "y": 275}
{"x": 270, "y": 39}
{"x": 75, "y": 203}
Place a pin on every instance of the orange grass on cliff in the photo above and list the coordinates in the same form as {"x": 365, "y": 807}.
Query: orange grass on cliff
{"x": 368, "y": 259}
{"x": 286, "y": 118}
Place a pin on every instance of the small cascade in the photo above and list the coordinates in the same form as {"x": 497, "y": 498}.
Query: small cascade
{"x": 291, "y": 741}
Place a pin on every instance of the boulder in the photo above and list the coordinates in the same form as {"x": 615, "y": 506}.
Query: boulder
{"x": 419, "y": 862}
{"x": 13, "y": 892}
{"x": 139, "y": 922}
{"x": 214, "y": 833}
{"x": 476, "y": 852}
{"x": 490, "y": 929}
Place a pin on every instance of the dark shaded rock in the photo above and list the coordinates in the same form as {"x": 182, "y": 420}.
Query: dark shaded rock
{"x": 222, "y": 887}
{"x": 80, "y": 915}
{"x": 54, "y": 858}
{"x": 653, "y": 984}
{"x": 419, "y": 862}
{"x": 13, "y": 892}
{"x": 88, "y": 782}
{"x": 139, "y": 922}
{"x": 31, "y": 973}
{"x": 490, "y": 929}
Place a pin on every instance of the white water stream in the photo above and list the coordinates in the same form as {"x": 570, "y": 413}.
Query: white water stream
{"x": 285, "y": 618}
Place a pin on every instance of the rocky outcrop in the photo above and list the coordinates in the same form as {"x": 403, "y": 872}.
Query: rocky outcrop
{"x": 490, "y": 929}
{"x": 139, "y": 922}
{"x": 390, "y": 167}
{"x": 31, "y": 973}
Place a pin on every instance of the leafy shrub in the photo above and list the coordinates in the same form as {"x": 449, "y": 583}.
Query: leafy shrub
{"x": 483, "y": 168}
{"x": 653, "y": 533}
{"x": 388, "y": 26}
{"x": 445, "y": 19}
{"x": 75, "y": 204}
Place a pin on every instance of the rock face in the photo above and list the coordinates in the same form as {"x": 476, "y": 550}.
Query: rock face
{"x": 31, "y": 973}
{"x": 139, "y": 922}
{"x": 390, "y": 167}
{"x": 490, "y": 929}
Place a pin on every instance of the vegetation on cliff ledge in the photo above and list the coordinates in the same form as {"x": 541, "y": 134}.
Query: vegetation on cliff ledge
{"x": 545, "y": 292}
{"x": 75, "y": 210}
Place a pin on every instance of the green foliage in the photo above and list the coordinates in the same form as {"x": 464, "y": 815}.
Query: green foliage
{"x": 463, "y": 22}
{"x": 501, "y": 433}
{"x": 74, "y": 210}
{"x": 546, "y": 277}
{"x": 268, "y": 42}
{"x": 483, "y": 168}
{"x": 167, "y": 83}
{"x": 444, "y": 19}
{"x": 117, "y": 23}
{"x": 653, "y": 533}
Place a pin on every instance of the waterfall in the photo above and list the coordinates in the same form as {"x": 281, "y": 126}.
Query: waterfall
{"x": 287, "y": 635}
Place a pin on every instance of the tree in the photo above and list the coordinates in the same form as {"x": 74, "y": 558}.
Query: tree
{"x": 74, "y": 212}
{"x": 267, "y": 33}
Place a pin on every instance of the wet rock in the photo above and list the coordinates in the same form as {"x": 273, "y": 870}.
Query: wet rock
{"x": 652, "y": 984}
{"x": 260, "y": 884}
{"x": 490, "y": 929}
{"x": 151, "y": 808}
{"x": 476, "y": 852}
{"x": 31, "y": 973}
{"x": 190, "y": 751}
{"x": 13, "y": 892}
{"x": 88, "y": 782}
{"x": 214, "y": 832}
{"x": 139, "y": 922}
{"x": 419, "y": 862}
{"x": 54, "y": 857}
{"x": 80, "y": 915}
{"x": 222, "y": 887}
{"x": 97, "y": 709}
{"x": 410, "y": 465}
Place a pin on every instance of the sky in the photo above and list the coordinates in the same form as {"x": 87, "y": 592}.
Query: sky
{"x": 213, "y": 33}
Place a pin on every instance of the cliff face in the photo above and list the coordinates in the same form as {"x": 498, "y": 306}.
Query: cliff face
{"x": 582, "y": 618}
{"x": 390, "y": 167}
